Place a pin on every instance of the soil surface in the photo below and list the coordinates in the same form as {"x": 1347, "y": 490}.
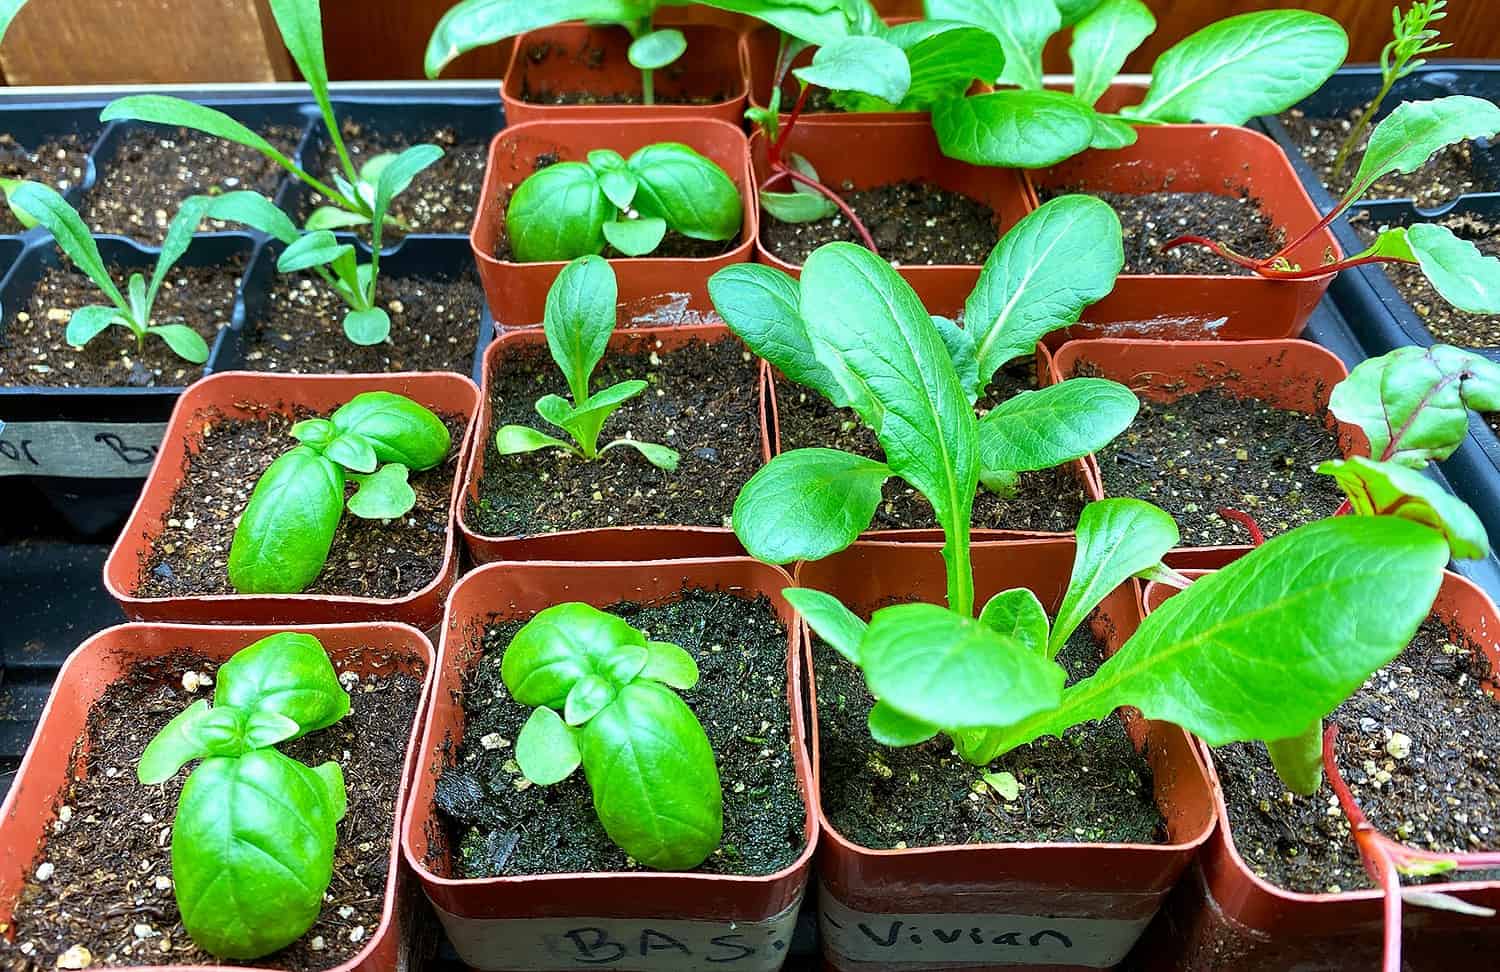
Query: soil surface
{"x": 1450, "y": 173}
{"x": 500, "y": 824}
{"x": 912, "y": 223}
{"x": 702, "y": 400}
{"x": 154, "y": 169}
{"x": 441, "y": 199}
{"x": 34, "y": 350}
{"x": 1151, "y": 220}
{"x": 1048, "y": 501}
{"x": 542, "y": 92}
{"x": 368, "y": 558}
{"x": 59, "y": 162}
{"x": 1089, "y": 786}
{"x": 434, "y": 327}
{"x": 111, "y": 843}
{"x": 1210, "y": 450}
{"x": 1447, "y": 323}
{"x": 1418, "y": 745}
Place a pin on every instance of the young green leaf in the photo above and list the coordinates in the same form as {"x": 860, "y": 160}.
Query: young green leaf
{"x": 587, "y": 698}
{"x": 945, "y": 58}
{"x": 1112, "y": 133}
{"x": 513, "y": 440}
{"x": 396, "y": 174}
{"x": 669, "y": 664}
{"x": 179, "y": 112}
{"x": 477, "y": 23}
{"x": 547, "y": 748}
{"x": 810, "y": 21}
{"x": 1466, "y": 278}
{"x": 383, "y": 495}
{"x": 1049, "y": 426}
{"x": 762, "y": 306}
{"x": 85, "y": 323}
{"x": 656, "y": 49}
{"x": 397, "y": 429}
{"x": 635, "y": 237}
{"x": 367, "y": 327}
{"x": 287, "y": 528}
{"x": 316, "y": 249}
{"x": 890, "y": 728}
{"x": 1013, "y": 129}
{"x": 558, "y": 213}
{"x": 564, "y": 644}
{"x": 1117, "y": 539}
{"x": 177, "y": 744}
{"x": 1103, "y": 40}
{"x": 660, "y": 456}
{"x": 1017, "y": 614}
{"x": 579, "y": 319}
{"x": 1409, "y": 135}
{"x": 807, "y": 504}
{"x": 868, "y": 65}
{"x": 255, "y": 211}
{"x": 1298, "y": 759}
{"x": 840, "y": 627}
{"x": 288, "y": 673}
{"x": 1388, "y": 489}
{"x": 1022, "y": 27}
{"x": 616, "y": 180}
{"x": 963, "y": 353}
{"x": 8, "y": 186}
{"x": 686, "y": 189}
{"x": 352, "y": 451}
{"x": 53, "y": 213}
{"x": 300, "y": 23}
{"x": 185, "y": 342}
{"x": 334, "y": 218}
{"x": 796, "y": 207}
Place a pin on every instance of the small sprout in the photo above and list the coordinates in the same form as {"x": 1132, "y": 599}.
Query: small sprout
{"x": 1004, "y": 784}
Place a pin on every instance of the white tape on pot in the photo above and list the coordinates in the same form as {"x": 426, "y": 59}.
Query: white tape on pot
{"x": 974, "y": 939}
{"x": 654, "y": 944}
{"x": 84, "y": 450}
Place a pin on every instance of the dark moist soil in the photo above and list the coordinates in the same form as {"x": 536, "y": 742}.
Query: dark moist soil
{"x": 368, "y": 558}
{"x": 34, "y": 351}
{"x": 1089, "y": 786}
{"x": 1442, "y": 795}
{"x": 1450, "y": 173}
{"x": 542, "y": 93}
{"x": 434, "y": 327}
{"x": 1210, "y": 450}
{"x": 912, "y": 223}
{"x": 1151, "y": 220}
{"x": 112, "y": 838}
{"x": 500, "y": 824}
{"x": 702, "y": 400}
{"x": 440, "y": 199}
{"x": 1447, "y": 323}
{"x": 1048, "y": 501}
{"x": 153, "y": 169}
{"x": 58, "y": 162}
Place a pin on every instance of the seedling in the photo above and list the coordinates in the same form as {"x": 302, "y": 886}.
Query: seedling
{"x": 352, "y": 199}
{"x": 579, "y": 319}
{"x": 255, "y": 831}
{"x": 375, "y": 439}
{"x": 647, "y": 759}
{"x": 572, "y": 209}
{"x": 1402, "y": 142}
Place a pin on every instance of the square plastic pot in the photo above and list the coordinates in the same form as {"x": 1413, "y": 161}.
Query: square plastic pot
{"x": 47, "y": 770}
{"x": 1225, "y": 917}
{"x": 652, "y": 289}
{"x": 849, "y": 151}
{"x": 1200, "y": 158}
{"x": 579, "y": 57}
{"x": 618, "y": 543}
{"x": 564, "y": 921}
{"x": 242, "y": 395}
{"x": 31, "y": 125}
{"x": 1094, "y": 899}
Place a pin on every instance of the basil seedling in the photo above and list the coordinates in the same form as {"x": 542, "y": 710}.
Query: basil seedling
{"x": 255, "y": 831}
{"x": 579, "y": 319}
{"x": 647, "y": 759}
{"x": 571, "y": 209}
{"x": 287, "y": 528}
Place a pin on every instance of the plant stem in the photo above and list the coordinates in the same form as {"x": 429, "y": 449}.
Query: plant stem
{"x": 1264, "y": 269}
{"x": 1247, "y": 521}
{"x": 774, "y": 153}
{"x": 795, "y": 176}
{"x": 648, "y": 86}
{"x": 1342, "y": 159}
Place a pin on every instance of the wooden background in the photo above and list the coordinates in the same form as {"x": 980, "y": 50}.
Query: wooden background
{"x": 122, "y": 41}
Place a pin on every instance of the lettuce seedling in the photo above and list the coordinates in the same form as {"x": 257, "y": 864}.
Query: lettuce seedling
{"x": 374, "y": 439}
{"x": 352, "y": 198}
{"x": 255, "y": 831}
{"x": 572, "y": 209}
{"x": 1403, "y": 142}
{"x": 579, "y": 319}
{"x": 647, "y": 759}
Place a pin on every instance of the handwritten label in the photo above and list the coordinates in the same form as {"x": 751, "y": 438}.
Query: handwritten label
{"x": 83, "y": 450}
{"x": 923, "y": 940}
{"x": 647, "y": 944}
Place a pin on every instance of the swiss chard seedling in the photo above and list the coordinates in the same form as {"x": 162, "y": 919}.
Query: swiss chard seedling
{"x": 287, "y": 528}
{"x": 572, "y": 209}
{"x": 579, "y": 319}
{"x": 604, "y": 699}
{"x": 254, "y": 834}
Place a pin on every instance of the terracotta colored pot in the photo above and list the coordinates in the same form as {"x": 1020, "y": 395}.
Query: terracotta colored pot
{"x": 652, "y": 289}
{"x": 1290, "y": 374}
{"x": 1200, "y": 158}
{"x": 867, "y": 154}
{"x": 241, "y": 395}
{"x": 593, "y": 60}
{"x": 620, "y": 543}
{"x": 46, "y": 770}
{"x": 1099, "y": 897}
{"x": 564, "y": 921}
{"x": 1080, "y": 468}
{"x": 1225, "y": 917}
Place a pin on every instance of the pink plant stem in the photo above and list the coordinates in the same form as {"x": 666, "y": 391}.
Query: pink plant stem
{"x": 1247, "y": 521}
{"x": 1263, "y": 267}
{"x": 786, "y": 130}
{"x": 787, "y": 172}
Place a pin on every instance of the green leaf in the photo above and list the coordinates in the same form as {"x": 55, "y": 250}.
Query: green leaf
{"x": 670, "y": 664}
{"x": 9, "y": 186}
{"x": 1018, "y": 615}
{"x": 963, "y": 354}
{"x": 588, "y": 696}
{"x": 890, "y": 728}
{"x": 660, "y": 456}
{"x": 797, "y": 207}
{"x": 179, "y": 236}
{"x": 1075, "y": 10}
{"x": 513, "y": 440}
{"x": 383, "y": 495}
{"x": 136, "y": 292}
{"x": 1240, "y": 67}
{"x": 690, "y": 192}
{"x": 288, "y": 673}
{"x": 1406, "y": 138}
{"x": 558, "y": 213}
{"x": 616, "y": 180}
{"x": 287, "y": 528}
{"x": 579, "y": 319}
{"x": 86, "y": 323}
{"x": 179, "y": 112}
{"x": 1112, "y": 133}
{"x": 334, "y": 218}
{"x": 840, "y": 627}
{"x": 944, "y": 58}
{"x": 316, "y": 249}
{"x": 807, "y": 504}
{"x": 657, "y": 49}
{"x": 397, "y": 428}
{"x": 811, "y": 21}
{"x": 1466, "y": 278}
{"x": 185, "y": 342}
{"x": 655, "y": 783}
{"x": 868, "y": 65}
{"x": 1022, "y": 26}
{"x": 352, "y": 451}
{"x": 1050, "y": 426}
{"x": 301, "y": 25}
{"x": 367, "y": 327}
{"x": 635, "y": 237}
{"x": 52, "y": 212}
{"x": 8, "y": 11}
{"x": 395, "y": 176}
{"x": 565, "y": 643}
{"x": 1013, "y": 129}
{"x": 1103, "y": 40}
{"x": 585, "y": 422}
{"x": 932, "y": 665}
{"x": 1388, "y": 489}
{"x": 1117, "y": 539}
{"x": 256, "y": 212}
{"x": 477, "y": 23}
{"x": 1298, "y": 759}
{"x": 1005, "y": 784}
{"x": 547, "y": 748}
{"x": 176, "y": 745}
{"x": 762, "y": 306}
